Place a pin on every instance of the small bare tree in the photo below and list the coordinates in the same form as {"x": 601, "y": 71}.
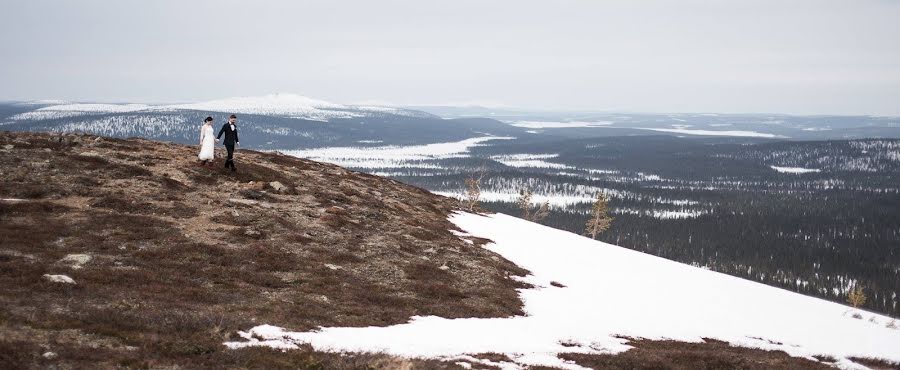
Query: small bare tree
{"x": 524, "y": 202}
{"x": 856, "y": 297}
{"x": 600, "y": 219}
{"x": 473, "y": 189}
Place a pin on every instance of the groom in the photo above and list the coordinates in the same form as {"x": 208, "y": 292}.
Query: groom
{"x": 231, "y": 139}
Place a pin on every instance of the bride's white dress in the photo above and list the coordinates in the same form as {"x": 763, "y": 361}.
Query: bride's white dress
{"x": 207, "y": 143}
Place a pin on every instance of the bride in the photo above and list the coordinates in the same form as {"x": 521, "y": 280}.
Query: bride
{"x": 207, "y": 142}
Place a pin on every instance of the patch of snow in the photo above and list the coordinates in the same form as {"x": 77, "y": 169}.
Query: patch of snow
{"x": 556, "y": 201}
{"x": 795, "y": 170}
{"x": 392, "y": 156}
{"x": 548, "y": 124}
{"x": 711, "y": 132}
{"x": 529, "y": 160}
{"x": 611, "y": 291}
{"x": 661, "y": 214}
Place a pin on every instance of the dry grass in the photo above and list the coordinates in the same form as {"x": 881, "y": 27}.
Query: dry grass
{"x": 178, "y": 268}
{"x": 711, "y": 355}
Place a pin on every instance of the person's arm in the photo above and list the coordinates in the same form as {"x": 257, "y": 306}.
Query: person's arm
{"x": 202, "y": 133}
{"x": 236, "y": 140}
{"x": 221, "y": 131}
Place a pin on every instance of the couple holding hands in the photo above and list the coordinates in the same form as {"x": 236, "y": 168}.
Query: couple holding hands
{"x": 207, "y": 141}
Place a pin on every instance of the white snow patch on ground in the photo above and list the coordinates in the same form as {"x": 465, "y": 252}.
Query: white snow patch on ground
{"x": 609, "y": 291}
{"x": 711, "y": 132}
{"x": 392, "y": 156}
{"x": 662, "y": 214}
{"x": 548, "y": 124}
{"x": 556, "y": 201}
{"x": 796, "y": 170}
{"x": 530, "y": 160}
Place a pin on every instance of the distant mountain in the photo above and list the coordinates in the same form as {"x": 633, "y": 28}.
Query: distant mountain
{"x": 283, "y": 105}
{"x": 276, "y": 121}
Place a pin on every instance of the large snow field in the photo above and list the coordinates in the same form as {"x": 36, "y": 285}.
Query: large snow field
{"x": 609, "y": 291}
{"x": 391, "y": 156}
{"x": 687, "y": 131}
{"x": 549, "y": 124}
{"x": 795, "y": 170}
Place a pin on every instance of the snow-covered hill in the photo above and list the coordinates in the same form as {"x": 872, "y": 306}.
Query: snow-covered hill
{"x": 292, "y": 105}
{"x": 602, "y": 293}
{"x": 282, "y": 105}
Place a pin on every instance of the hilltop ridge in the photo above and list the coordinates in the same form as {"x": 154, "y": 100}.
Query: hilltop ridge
{"x": 169, "y": 259}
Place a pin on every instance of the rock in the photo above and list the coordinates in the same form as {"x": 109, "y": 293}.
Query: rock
{"x": 90, "y": 153}
{"x": 49, "y": 355}
{"x": 249, "y": 202}
{"x": 444, "y": 267}
{"x": 277, "y": 186}
{"x": 8, "y": 147}
{"x": 252, "y": 233}
{"x": 430, "y": 250}
{"x": 76, "y": 261}
{"x": 59, "y": 279}
{"x": 332, "y": 267}
{"x": 335, "y": 210}
{"x": 243, "y": 202}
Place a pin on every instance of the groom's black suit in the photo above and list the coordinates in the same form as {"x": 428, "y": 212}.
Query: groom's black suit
{"x": 231, "y": 138}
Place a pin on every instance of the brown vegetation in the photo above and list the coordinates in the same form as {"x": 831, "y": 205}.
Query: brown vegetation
{"x": 184, "y": 256}
{"x": 711, "y": 354}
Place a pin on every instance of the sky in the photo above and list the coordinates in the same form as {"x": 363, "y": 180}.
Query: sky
{"x": 737, "y": 56}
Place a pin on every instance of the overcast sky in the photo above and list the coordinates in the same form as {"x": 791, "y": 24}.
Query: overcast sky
{"x": 782, "y": 56}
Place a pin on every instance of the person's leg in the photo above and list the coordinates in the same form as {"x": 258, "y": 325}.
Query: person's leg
{"x": 229, "y": 161}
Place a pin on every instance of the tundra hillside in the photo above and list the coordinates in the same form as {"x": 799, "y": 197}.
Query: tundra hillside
{"x": 170, "y": 259}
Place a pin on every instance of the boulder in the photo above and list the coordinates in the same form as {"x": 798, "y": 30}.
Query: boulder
{"x": 277, "y": 186}
{"x": 63, "y": 279}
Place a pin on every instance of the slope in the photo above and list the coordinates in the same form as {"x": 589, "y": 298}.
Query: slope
{"x": 169, "y": 259}
{"x": 591, "y": 297}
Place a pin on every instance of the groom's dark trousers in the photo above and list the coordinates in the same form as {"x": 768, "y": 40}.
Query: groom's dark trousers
{"x": 230, "y": 161}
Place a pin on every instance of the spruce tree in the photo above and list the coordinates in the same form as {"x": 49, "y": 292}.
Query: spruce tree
{"x": 600, "y": 218}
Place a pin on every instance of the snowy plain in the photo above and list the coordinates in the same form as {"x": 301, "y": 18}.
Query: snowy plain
{"x": 392, "y": 156}
{"x": 609, "y": 292}
{"x": 795, "y": 170}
